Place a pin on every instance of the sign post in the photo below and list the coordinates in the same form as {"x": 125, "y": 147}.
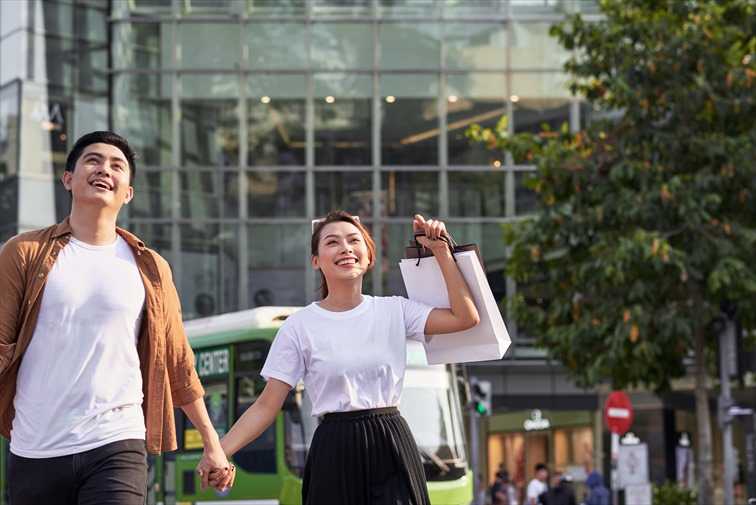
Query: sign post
{"x": 618, "y": 413}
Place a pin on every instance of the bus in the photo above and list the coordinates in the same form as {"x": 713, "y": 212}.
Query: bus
{"x": 229, "y": 352}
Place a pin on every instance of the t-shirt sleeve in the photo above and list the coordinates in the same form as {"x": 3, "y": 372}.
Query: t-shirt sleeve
{"x": 415, "y": 316}
{"x": 285, "y": 360}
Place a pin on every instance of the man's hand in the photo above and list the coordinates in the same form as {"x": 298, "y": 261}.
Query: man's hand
{"x": 214, "y": 462}
{"x": 221, "y": 480}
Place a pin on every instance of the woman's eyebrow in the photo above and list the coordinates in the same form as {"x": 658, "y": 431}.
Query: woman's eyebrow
{"x": 337, "y": 235}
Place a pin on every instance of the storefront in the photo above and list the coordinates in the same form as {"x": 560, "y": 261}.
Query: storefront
{"x": 567, "y": 441}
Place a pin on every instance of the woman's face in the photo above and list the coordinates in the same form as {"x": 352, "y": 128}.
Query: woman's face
{"x": 342, "y": 252}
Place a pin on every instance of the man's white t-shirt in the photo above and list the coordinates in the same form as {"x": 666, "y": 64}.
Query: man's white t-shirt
{"x": 79, "y": 383}
{"x": 535, "y": 489}
{"x": 351, "y": 360}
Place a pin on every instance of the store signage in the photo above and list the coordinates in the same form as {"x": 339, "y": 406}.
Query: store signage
{"x": 212, "y": 362}
{"x": 536, "y": 422}
{"x": 49, "y": 118}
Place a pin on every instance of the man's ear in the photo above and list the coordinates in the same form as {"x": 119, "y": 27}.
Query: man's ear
{"x": 66, "y": 178}
{"x": 129, "y": 195}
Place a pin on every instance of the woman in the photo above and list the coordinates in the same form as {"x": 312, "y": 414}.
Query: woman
{"x": 349, "y": 348}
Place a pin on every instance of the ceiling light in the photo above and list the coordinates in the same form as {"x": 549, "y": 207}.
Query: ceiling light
{"x": 330, "y": 99}
{"x": 390, "y": 99}
{"x": 265, "y": 99}
{"x": 514, "y": 98}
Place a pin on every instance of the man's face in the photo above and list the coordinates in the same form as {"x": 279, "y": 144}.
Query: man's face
{"x": 100, "y": 176}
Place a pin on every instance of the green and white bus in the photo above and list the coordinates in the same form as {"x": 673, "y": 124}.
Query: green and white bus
{"x": 230, "y": 350}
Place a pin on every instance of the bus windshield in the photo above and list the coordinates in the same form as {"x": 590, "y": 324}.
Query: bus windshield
{"x": 430, "y": 406}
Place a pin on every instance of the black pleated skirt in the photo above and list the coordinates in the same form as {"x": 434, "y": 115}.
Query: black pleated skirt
{"x": 367, "y": 457}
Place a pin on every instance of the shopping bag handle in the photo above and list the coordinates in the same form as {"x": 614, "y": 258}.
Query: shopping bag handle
{"x": 444, "y": 236}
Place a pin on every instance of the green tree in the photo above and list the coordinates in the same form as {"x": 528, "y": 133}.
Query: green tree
{"x": 645, "y": 224}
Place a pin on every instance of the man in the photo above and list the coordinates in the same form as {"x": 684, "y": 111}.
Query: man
{"x": 537, "y": 486}
{"x": 561, "y": 492}
{"x": 93, "y": 356}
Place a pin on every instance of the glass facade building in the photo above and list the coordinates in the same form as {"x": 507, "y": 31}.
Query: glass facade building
{"x": 254, "y": 117}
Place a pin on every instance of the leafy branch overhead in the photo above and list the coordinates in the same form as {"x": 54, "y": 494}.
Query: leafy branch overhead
{"x": 646, "y": 220}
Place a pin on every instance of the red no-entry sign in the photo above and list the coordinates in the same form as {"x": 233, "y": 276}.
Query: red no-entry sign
{"x": 618, "y": 412}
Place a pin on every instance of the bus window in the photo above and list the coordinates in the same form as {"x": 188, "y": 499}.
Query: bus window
{"x": 428, "y": 404}
{"x": 216, "y": 403}
{"x": 299, "y": 427}
{"x": 259, "y": 456}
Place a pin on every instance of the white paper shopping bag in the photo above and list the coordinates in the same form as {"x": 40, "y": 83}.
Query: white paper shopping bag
{"x": 488, "y": 340}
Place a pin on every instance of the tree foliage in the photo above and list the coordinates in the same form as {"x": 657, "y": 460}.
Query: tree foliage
{"x": 645, "y": 223}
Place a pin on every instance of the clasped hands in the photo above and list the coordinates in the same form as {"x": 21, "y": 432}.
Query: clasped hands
{"x": 216, "y": 473}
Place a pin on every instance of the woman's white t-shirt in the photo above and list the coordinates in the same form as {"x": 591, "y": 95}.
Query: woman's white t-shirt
{"x": 351, "y": 360}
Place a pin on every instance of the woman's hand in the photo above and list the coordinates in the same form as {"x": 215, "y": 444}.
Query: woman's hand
{"x": 213, "y": 465}
{"x": 221, "y": 480}
{"x": 433, "y": 229}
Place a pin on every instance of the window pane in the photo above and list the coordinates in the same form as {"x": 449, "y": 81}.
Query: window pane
{"x": 211, "y": 8}
{"x": 209, "y": 45}
{"x": 540, "y": 7}
{"x": 142, "y": 113}
{"x": 394, "y": 237}
{"x": 409, "y": 193}
{"x": 277, "y": 256}
{"x": 142, "y": 8}
{"x": 479, "y": 8}
{"x": 276, "y": 8}
{"x": 542, "y": 100}
{"x": 153, "y": 194}
{"x": 525, "y": 198}
{"x": 54, "y": 60}
{"x": 477, "y": 193}
{"x": 12, "y": 17}
{"x": 276, "y": 194}
{"x": 276, "y": 45}
{"x": 409, "y": 126}
{"x": 9, "y": 131}
{"x": 202, "y": 264}
{"x": 409, "y": 45}
{"x": 349, "y": 191}
{"x": 276, "y": 119}
{"x": 12, "y": 56}
{"x": 473, "y": 98}
{"x": 476, "y": 45}
{"x": 341, "y": 46}
{"x": 340, "y": 8}
{"x": 156, "y": 236}
{"x": 342, "y": 119}
{"x": 200, "y": 194}
{"x": 533, "y": 47}
{"x": 142, "y": 45}
{"x": 408, "y": 8}
{"x": 209, "y": 120}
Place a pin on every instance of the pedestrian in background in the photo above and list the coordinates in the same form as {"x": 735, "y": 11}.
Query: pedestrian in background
{"x": 504, "y": 491}
{"x": 350, "y": 351}
{"x": 560, "y": 492}
{"x": 537, "y": 485}
{"x": 598, "y": 493}
{"x": 93, "y": 356}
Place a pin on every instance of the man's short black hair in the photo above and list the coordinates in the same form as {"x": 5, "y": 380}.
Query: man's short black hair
{"x": 541, "y": 466}
{"x": 103, "y": 137}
